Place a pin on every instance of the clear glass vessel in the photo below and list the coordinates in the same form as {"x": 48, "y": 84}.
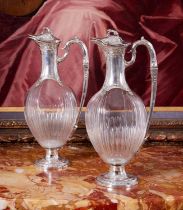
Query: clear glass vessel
{"x": 116, "y": 118}
{"x": 51, "y": 110}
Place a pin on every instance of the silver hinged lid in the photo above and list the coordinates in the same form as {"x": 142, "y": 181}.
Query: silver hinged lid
{"x": 112, "y": 40}
{"x": 46, "y": 37}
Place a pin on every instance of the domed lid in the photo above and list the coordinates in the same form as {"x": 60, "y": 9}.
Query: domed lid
{"x": 111, "y": 40}
{"x": 45, "y": 37}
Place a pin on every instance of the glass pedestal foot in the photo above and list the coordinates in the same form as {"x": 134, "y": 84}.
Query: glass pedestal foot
{"x": 106, "y": 181}
{"x": 52, "y": 160}
{"x": 116, "y": 177}
{"x": 59, "y": 163}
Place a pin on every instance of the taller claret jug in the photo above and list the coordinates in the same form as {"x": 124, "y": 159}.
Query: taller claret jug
{"x": 51, "y": 110}
{"x": 116, "y": 118}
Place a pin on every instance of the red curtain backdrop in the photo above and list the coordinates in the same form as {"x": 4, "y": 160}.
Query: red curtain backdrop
{"x": 160, "y": 22}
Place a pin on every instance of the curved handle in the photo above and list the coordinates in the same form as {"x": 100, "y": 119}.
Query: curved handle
{"x": 153, "y": 71}
{"x": 76, "y": 40}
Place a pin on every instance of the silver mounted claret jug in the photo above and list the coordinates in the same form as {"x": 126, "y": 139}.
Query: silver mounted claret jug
{"x": 51, "y": 110}
{"x": 116, "y": 118}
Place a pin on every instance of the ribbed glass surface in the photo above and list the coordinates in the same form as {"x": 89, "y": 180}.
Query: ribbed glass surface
{"x": 50, "y": 112}
{"x": 116, "y": 123}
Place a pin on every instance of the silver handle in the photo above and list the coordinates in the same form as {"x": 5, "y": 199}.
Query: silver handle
{"x": 153, "y": 71}
{"x": 76, "y": 40}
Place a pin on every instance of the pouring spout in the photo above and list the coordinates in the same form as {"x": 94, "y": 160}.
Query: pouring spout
{"x": 97, "y": 41}
{"x": 32, "y": 37}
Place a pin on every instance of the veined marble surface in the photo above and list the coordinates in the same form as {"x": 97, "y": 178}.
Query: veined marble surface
{"x": 23, "y": 186}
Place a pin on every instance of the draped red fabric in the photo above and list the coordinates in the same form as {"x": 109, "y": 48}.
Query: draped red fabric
{"x": 160, "y": 22}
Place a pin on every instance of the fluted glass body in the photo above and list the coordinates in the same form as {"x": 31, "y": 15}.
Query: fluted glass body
{"x": 51, "y": 112}
{"x": 116, "y": 124}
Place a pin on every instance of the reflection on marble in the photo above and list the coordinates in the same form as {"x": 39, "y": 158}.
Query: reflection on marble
{"x": 23, "y": 186}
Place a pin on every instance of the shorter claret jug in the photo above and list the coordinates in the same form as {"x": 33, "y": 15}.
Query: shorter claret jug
{"x": 51, "y": 110}
{"x": 116, "y": 118}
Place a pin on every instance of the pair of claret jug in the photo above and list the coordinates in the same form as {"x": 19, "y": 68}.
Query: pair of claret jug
{"x": 116, "y": 118}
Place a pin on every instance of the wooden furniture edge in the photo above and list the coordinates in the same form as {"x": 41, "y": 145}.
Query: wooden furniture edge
{"x": 156, "y": 109}
{"x": 162, "y": 131}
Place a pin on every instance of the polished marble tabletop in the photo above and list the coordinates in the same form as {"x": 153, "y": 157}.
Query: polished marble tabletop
{"x": 24, "y": 186}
